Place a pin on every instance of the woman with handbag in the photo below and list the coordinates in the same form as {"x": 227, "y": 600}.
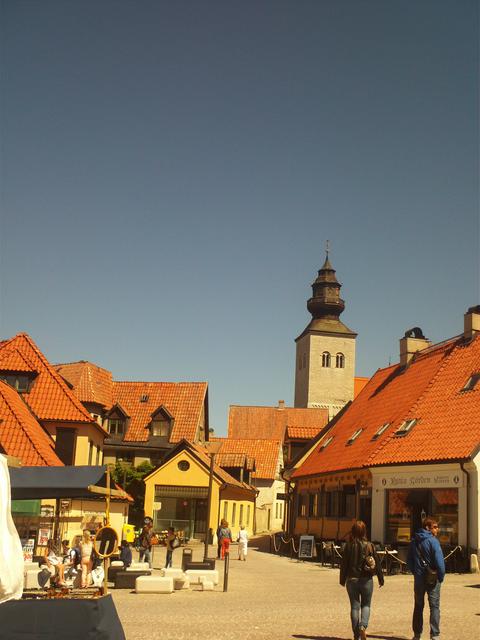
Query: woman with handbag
{"x": 359, "y": 564}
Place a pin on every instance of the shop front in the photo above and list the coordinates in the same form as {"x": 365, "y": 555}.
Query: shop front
{"x": 403, "y": 496}
{"x": 184, "y": 508}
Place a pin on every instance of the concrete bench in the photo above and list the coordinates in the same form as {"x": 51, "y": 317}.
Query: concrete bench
{"x": 153, "y": 584}
{"x": 194, "y": 575}
{"x": 30, "y": 578}
{"x": 116, "y": 563}
{"x": 127, "y": 579}
{"x": 139, "y": 566}
{"x": 172, "y": 573}
{"x": 207, "y": 585}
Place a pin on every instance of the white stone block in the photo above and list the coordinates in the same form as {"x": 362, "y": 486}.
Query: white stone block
{"x": 207, "y": 585}
{"x": 153, "y": 584}
{"x": 30, "y": 579}
{"x": 138, "y": 566}
{"x": 30, "y": 565}
{"x": 117, "y": 563}
{"x": 172, "y": 573}
{"x": 181, "y": 583}
{"x": 194, "y": 575}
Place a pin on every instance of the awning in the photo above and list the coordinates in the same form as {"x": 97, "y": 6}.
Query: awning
{"x": 30, "y": 483}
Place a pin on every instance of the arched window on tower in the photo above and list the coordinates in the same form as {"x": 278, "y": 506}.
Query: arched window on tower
{"x": 340, "y": 360}
{"x": 325, "y": 359}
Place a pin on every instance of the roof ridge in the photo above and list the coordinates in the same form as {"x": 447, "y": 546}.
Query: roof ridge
{"x": 22, "y": 356}
{"x": 38, "y": 446}
{"x": 390, "y": 436}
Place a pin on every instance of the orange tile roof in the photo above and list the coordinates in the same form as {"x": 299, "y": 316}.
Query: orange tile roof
{"x": 358, "y": 384}
{"x": 204, "y": 456}
{"x": 49, "y": 397}
{"x": 302, "y": 433}
{"x": 183, "y": 400}
{"x": 13, "y": 360}
{"x": 21, "y": 435}
{"x": 429, "y": 389}
{"x": 265, "y": 452}
{"x": 90, "y": 382}
{"x": 235, "y": 460}
{"x": 272, "y": 422}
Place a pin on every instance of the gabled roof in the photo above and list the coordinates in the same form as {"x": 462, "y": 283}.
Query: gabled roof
{"x": 428, "y": 390}
{"x": 49, "y": 397}
{"x": 265, "y": 452}
{"x": 183, "y": 400}
{"x": 91, "y": 382}
{"x": 358, "y": 384}
{"x": 301, "y": 433}
{"x": 13, "y": 360}
{"x": 271, "y": 422}
{"x": 21, "y": 435}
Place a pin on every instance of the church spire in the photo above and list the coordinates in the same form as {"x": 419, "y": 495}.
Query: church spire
{"x": 325, "y": 302}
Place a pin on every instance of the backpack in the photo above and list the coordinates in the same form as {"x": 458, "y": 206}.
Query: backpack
{"x": 369, "y": 566}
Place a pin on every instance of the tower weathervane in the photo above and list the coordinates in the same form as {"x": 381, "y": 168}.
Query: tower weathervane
{"x": 327, "y": 247}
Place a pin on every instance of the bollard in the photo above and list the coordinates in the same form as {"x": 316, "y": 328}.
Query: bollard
{"x": 225, "y": 570}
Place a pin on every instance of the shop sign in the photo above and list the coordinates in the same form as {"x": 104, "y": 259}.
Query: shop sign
{"x": 27, "y": 548}
{"x": 306, "y": 547}
{"x": 419, "y": 480}
{"x": 44, "y": 536}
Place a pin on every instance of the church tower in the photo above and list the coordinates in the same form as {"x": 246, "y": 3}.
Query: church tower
{"x": 325, "y": 354}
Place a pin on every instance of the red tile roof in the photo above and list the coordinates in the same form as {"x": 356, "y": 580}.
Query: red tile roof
{"x": 429, "y": 390}
{"x": 358, "y": 384}
{"x": 272, "y": 422}
{"x": 13, "y": 360}
{"x": 183, "y": 400}
{"x": 235, "y": 460}
{"x": 90, "y": 382}
{"x": 49, "y": 397}
{"x": 21, "y": 435}
{"x": 265, "y": 452}
{"x": 302, "y": 433}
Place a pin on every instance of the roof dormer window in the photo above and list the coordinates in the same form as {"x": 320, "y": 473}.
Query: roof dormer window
{"x": 381, "y": 430}
{"x": 354, "y": 436}
{"x": 116, "y": 426}
{"x": 161, "y": 424}
{"x": 20, "y": 382}
{"x": 144, "y": 398}
{"x": 471, "y": 382}
{"x": 406, "y": 427}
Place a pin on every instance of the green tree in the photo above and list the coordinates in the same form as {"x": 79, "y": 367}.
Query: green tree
{"x": 130, "y": 478}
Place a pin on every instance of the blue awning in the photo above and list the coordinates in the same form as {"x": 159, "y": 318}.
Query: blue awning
{"x": 30, "y": 483}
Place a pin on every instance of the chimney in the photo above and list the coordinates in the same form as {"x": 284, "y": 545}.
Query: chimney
{"x": 471, "y": 322}
{"x": 281, "y": 404}
{"x": 413, "y": 341}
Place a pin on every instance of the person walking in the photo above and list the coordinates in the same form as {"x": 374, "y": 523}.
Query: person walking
{"x": 171, "y": 542}
{"x": 86, "y": 564}
{"x": 223, "y": 523}
{"x": 242, "y": 540}
{"x": 145, "y": 541}
{"x": 424, "y": 555}
{"x": 225, "y": 538}
{"x": 359, "y": 564}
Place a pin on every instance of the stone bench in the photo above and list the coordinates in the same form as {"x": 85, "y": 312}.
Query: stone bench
{"x": 127, "y": 579}
{"x": 172, "y": 573}
{"x": 181, "y": 583}
{"x": 139, "y": 566}
{"x": 194, "y": 575}
{"x": 153, "y": 584}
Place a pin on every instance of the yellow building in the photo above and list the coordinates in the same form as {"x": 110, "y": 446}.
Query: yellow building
{"x": 176, "y": 494}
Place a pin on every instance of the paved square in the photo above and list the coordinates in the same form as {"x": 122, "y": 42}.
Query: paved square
{"x": 271, "y": 597}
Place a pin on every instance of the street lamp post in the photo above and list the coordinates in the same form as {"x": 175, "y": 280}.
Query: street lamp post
{"x": 212, "y": 448}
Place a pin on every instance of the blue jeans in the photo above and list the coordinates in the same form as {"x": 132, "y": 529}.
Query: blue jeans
{"x": 434, "y": 604}
{"x": 146, "y": 556}
{"x": 360, "y": 592}
{"x": 168, "y": 559}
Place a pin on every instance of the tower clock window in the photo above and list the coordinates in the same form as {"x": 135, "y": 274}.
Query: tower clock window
{"x": 340, "y": 361}
{"x": 325, "y": 359}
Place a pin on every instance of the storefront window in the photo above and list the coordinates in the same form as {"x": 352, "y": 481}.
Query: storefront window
{"x": 406, "y": 509}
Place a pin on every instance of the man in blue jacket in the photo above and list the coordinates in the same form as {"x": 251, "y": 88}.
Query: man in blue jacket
{"x": 425, "y": 548}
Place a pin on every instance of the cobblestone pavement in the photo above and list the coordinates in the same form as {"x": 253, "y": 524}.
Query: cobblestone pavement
{"x": 271, "y": 597}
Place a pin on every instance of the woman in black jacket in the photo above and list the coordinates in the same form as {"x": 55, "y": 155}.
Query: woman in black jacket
{"x": 358, "y": 577}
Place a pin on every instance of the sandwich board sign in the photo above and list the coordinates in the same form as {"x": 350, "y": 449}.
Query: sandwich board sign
{"x": 306, "y": 547}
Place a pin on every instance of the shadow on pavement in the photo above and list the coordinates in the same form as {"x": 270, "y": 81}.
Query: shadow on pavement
{"x": 378, "y": 637}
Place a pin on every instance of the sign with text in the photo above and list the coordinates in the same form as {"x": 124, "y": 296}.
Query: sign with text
{"x": 281, "y": 496}
{"x": 306, "y": 547}
{"x": 419, "y": 480}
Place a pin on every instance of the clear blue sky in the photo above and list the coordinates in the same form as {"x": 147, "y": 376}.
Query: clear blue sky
{"x": 171, "y": 171}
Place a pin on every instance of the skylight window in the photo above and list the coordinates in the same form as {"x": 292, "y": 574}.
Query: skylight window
{"x": 405, "y": 427}
{"x": 471, "y": 382}
{"x": 354, "y": 436}
{"x": 325, "y": 444}
{"x": 381, "y": 430}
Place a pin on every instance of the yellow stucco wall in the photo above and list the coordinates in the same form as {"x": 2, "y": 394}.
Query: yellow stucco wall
{"x": 86, "y": 433}
{"x": 231, "y": 511}
{"x": 170, "y": 475}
